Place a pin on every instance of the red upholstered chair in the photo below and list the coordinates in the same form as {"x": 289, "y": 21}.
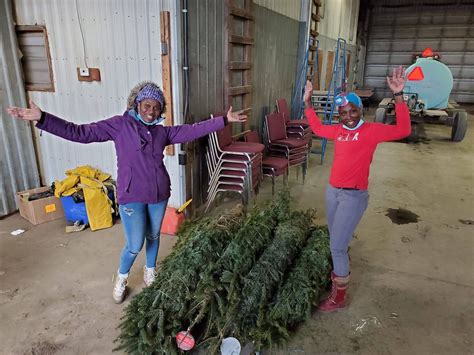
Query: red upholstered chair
{"x": 232, "y": 166}
{"x": 295, "y": 127}
{"x": 296, "y": 150}
{"x": 271, "y": 166}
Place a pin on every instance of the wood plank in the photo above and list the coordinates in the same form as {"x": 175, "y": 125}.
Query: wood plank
{"x": 247, "y": 102}
{"x": 241, "y": 40}
{"x": 239, "y": 135}
{"x": 315, "y": 17}
{"x": 348, "y": 64}
{"x": 329, "y": 65}
{"x": 166, "y": 73}
{"x": 310, "y": 63}
{"x": 317, "y": 75}
{"x": 228, "y": 28}
{"x": 235, "y": 11}
{"x": 240, "y": 90}
{"x": 240, "y": 65}
{"x": 314, "y": 33}
{"x": 249, "y": 33}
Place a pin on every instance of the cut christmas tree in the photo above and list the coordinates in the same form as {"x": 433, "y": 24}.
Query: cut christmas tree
{"x": 253, "y": 277}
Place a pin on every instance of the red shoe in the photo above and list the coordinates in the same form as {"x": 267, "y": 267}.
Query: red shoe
{"x": 337, "y": 298}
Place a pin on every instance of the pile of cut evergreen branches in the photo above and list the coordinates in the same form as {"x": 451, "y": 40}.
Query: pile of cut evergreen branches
{"x": 254, "y": 277}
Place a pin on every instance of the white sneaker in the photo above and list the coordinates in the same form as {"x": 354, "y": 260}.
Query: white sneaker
{"x": 120, "y": 288}
{"x": 149, "y": 275}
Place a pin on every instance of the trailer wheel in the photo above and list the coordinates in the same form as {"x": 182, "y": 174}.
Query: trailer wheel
{"x": 459, "y": 126}
{"x": 381, "y": 115}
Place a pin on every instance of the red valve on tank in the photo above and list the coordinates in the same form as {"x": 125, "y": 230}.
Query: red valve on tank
{"x": 428, "y": 52}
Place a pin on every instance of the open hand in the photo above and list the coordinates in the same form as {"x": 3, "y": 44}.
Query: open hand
{"x": 308, "y": 91}
{"x": 397, "y": 81}
{"x": 27, "y": 114}
{"x": 236, "y": 116}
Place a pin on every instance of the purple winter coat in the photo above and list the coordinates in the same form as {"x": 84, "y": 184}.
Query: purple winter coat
{"x": 141, "y": 172}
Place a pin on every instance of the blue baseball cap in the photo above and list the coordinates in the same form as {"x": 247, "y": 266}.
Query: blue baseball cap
{"x": 343, "y": 99}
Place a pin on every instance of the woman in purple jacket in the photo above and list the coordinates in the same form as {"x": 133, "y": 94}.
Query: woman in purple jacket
{"x": 143, "y": 184}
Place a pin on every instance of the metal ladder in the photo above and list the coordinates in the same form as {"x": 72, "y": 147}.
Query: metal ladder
{"x": 306, "y": 72}
{"x": 336, "y": 86}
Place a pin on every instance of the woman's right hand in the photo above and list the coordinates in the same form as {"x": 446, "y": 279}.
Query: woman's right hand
{"x": 308, "y": 91}
{"x": 27, "y": 114}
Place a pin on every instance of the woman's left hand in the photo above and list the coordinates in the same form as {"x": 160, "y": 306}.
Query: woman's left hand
{"x": 396, "y": 82}
{"x": 236, "y": 116}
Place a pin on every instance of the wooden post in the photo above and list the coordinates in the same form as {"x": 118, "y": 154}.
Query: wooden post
{"x": 166, "y": 71}
{"x": 329, "y": 67}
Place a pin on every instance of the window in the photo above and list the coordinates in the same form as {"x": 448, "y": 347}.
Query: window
{"x": 35, "y": 58}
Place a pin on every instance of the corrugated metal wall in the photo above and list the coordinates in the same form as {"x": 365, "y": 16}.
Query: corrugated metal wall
{"x": 122, "y": 39}
{"x": 290, "y": 9}
{"x": 274, "y": 66}
{"x": 18, "y": 170}
{"x": 275, "y": 61}
{"x": 206, "y": 63}
{"x": 396, "y": 34}
{"x": 206, "y": 76}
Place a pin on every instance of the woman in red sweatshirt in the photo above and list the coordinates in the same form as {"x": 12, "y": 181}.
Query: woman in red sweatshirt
{"x": 355, "y": 142}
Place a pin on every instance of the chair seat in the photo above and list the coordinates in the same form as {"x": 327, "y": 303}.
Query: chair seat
{"x": 236, "y": 188}
{"x": 240, "y": 166}
{"x": 303, "y": 122}
{"x": 291, "y": 142}
{"x": 275, "y": 172}
{"x": 297, "y": 161}
{"x": 232, "y": 173}
{"x": 275, "y": 162}
{"x": 235, "y": 158}
{"x": 306, "y": 137}
{"x": 244, "y": 147}
{"x": 298, "y": 129}
{"x": 292, "y": 151}
{"x": 230, "y": 180}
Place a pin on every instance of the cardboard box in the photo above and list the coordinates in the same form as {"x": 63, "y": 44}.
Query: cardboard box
{"x": 39, "y": 211}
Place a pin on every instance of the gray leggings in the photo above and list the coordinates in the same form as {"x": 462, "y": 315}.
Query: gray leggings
{"x": 344, "y": 210}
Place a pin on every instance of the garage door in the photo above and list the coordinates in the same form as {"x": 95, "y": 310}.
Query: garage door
{"x": 397, "y": 33}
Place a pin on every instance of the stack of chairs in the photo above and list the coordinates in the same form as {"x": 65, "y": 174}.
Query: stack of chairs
{"x": 296, "y": 150}
{"x": 295, "y": 128}
{"x": 271, "y": 166}
{"x": 233, "y": 166}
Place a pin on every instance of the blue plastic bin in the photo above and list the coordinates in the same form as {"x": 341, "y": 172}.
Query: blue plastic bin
{"x": 76, "y": 211}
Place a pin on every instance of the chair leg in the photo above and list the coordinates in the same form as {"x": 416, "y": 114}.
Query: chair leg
{"x": 273, "y": 183}
{"x": 305, "y": 169}
{"x": 209, "y": 201}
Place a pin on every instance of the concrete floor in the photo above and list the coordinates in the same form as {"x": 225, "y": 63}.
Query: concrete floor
{"x": 412, "y": 289}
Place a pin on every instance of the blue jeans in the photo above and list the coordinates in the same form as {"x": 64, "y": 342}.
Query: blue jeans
{"x": 141, "y": 221}
{"x": 344, "y": 210}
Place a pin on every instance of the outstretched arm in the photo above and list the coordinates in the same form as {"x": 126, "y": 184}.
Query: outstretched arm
{"x": 321, "y": 130}
{"x": 85, "y": 133}
{"x": 402, "y": 128}
{"x": 27, "y": 114}
{"x": 187, "y": 133}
